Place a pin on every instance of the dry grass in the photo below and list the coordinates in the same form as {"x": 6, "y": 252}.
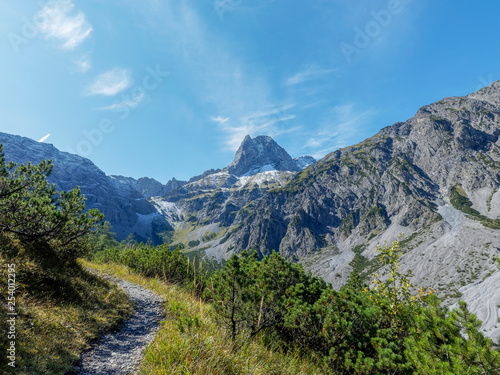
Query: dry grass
{"x": 58, "y": 315}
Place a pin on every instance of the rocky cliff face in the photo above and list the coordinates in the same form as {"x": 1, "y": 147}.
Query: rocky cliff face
{"x": 149, "y": 187}
{"x": 261, "y": 154}
{"x": 302, "y": 162}
{"x": 124, "y": 207}
{"x": 401, "y": 176}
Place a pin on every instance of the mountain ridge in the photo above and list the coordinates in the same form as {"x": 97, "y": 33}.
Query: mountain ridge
{"x": 434, "y": 177}
{"x": 254, "y": 155}
{"x": 124, "y": 207}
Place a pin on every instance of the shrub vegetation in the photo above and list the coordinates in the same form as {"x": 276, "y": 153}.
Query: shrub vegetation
{"x": 59, "y": 306}
{"x": 381, "y": 328}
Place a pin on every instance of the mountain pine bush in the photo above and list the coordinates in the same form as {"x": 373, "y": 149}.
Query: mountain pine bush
{"x": 357, "y": 330}
{"x": 52, "y": 227}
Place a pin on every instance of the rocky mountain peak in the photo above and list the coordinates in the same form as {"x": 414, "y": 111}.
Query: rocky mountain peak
{"x": 260, "y": 154}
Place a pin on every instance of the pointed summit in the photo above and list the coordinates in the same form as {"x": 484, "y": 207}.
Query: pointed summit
{"x": 260, "y": 154}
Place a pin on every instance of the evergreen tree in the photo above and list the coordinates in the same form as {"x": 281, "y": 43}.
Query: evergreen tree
{"x": 443, "y": 342}
{"x": 230, "y": 293}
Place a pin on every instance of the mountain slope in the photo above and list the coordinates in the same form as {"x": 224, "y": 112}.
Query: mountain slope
{"x": 149, "y": 187}
{"x": 399, "y": 176}
{"x": 260, "y": 154}
{"x": 123, "y": 206}
{"x": 435, "y": 178}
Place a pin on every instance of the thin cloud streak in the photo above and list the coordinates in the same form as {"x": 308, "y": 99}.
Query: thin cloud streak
{"x": 130, "y": 103}
{"x": 272, "y": 122}
{"x": 58, "y": 24}
{"x": 310, "y": 73}
{"x": 219, "y": 120}
{"x": 110, "y": 83}
{"x": 342, "y": 129}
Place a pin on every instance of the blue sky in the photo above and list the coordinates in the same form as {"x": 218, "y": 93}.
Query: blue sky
{"x": 164, "y": 89}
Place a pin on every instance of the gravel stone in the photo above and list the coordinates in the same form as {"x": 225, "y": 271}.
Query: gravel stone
{"x": 120, "y": 352}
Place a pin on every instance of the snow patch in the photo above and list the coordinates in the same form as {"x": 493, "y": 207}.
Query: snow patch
{"x": 273, "y": 176}
{"x": 168, "y": 210}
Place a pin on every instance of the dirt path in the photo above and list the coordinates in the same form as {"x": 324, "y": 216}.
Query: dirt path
{"x": 120, "y": 352}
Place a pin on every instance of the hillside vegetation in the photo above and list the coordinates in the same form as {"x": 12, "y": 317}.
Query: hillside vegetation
{"x": 229, "y": 321}
{"x": 50, "y": 308}
{"x": 191, "y": 342}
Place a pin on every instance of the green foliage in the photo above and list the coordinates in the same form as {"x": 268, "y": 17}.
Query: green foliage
{"x": 193, "y": 243}
{"x": 356, "y": 330}
{"x": 461, "y": 202}
{"x": 490, "y": 198}
{"x": 209, "y": 236}
{"x": 358, "y": 334}
{"x": 362, "y": 265}
{"x": 104, "y": 238}
{"x": 436, "y": 345}
{"x": 397, "y": 288}
{"x": 353, "y": 329}
{"x": 51, "y": 227}
{"x": 252, "y": 296}
{"x": 159, "y": 261}
{"x": 228, "y": 290}
{"x": 190, "y": 341}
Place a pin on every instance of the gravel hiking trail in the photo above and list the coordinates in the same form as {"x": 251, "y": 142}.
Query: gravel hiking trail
{"x": 120, "y": 352}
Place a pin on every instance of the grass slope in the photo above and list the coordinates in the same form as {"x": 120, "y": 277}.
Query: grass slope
{"x": 59, "y": 313}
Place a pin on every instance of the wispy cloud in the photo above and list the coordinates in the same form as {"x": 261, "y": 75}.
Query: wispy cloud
{"x": 44, "y": 138}
{"x": 341, "y": 129}
{"x": 273, "y": 121}
{"x": 83, "y": 64}
{"x": 57, "y": 23}
{"x": 234, "y": 134}
{"x": 309, "y": 73}
{"x": 126, "y": 102}
{"x": 110, "y": 83}
{"x": 235, "y": 91}
{"x": 219, "y": 120}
